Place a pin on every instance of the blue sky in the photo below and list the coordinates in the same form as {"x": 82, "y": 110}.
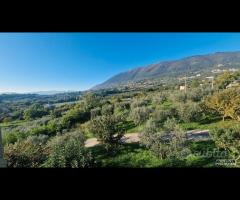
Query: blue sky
{"x": 78, "y": 61}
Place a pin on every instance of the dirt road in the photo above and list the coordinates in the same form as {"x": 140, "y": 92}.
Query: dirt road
{"x": 134, "y": 137}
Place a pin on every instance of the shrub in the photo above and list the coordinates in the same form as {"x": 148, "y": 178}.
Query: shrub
{"x": 35, "y": 111}
{"x": 172, "y": 145}
{"x": 139, "y": 115}
{"x": 227, "y": 139}
{"x": 107, "y": 109}
{"x": 68, "y": 151}
{"x": 25, "y": 154}
{"x": 73, "y": 116}
{"x": 162, "y": 115}
{"x": 189, "y": 112}
{"x": 95, "y": 112}
{"x": 108, "y": 129}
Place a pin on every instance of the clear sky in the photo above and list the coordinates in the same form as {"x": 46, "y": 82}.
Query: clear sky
{"x": 77, "y": 61}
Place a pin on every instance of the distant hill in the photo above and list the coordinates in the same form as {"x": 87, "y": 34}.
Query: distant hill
{"x": 198, "y": 63}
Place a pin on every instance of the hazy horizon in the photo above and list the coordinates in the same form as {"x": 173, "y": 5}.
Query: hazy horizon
{"x": 35, "y": 62}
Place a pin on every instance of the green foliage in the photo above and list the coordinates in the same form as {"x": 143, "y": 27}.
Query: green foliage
{"x": 170, "y": 124}
{"x": 69, "y": 152}
{"x": 25, "y": 154}
{"x": 224, "y": 79}
{"x": 74, "y": 116}
{"x": 164, "y": 146}
{"x": 107, "y": 109}
{"x": 225, "y": 103}
{"x": 189, "y": 112}
{"x": 95, "y": 112}
{"x": 161, "y": 114}
{"x": 35, "y": 111}
{"x": 90, "y": 101}
{"x": 227, "y": 138}
{"x": 140, "y": 114}
{"x": 108, "y": 129}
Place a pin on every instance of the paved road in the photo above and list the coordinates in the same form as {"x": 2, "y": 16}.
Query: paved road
{"x": 134, "y": 137}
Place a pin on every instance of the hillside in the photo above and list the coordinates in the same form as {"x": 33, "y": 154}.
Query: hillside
{"x": 193, "y": 64}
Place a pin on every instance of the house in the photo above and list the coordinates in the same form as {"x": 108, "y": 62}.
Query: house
{"x": 182, "y": 87}
{"x": 235, "y": 83}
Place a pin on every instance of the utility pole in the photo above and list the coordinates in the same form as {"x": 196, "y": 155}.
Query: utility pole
{"x": 3, "y": 163}
{"x": 185, "y": 87}
{"x": 212, "y": 82}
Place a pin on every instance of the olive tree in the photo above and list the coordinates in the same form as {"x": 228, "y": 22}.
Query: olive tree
{"x": 108, "y": 129}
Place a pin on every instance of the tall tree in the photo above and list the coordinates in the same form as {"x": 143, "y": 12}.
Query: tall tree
{"x": 226, "y": 103}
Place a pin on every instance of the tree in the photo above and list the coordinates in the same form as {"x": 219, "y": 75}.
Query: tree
{"x": 35, "y": 111}
{"x": 189, "y": 112}
{"x": 108, "y": 129}
{"x": 95, "y": 112}
{"x": 227, "y": 138}
{"x": 225, "y": 103}
{"x": 139, "y": 115}
{"x": 195, "y": 83}
{"x": 107, "y": 109}
{"x": 69, "y": 152}
{"x": 73, "y": 116}
{"x": 25, "y": 154}
{"x": 224, "y": 79}
{"x": 165, "y": 146}
{"x": 90, "y": 101}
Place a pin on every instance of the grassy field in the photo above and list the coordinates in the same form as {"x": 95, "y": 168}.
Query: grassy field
{"x": 135, "y": 156}
{"x": 208, "y": 125}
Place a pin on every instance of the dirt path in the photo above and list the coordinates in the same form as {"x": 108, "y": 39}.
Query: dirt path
{"x": 134, "y": 137}
{"x": 128, "y": 138}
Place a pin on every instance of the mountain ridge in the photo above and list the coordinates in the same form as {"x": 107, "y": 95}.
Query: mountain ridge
{"x": 174, "y": 68}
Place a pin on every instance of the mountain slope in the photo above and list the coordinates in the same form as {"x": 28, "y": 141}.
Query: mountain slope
{"x": 176, "y": 68}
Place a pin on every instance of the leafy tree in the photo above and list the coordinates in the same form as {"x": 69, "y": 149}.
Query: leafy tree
{"x": 170, "y": 124}
{"x": 162, "y": 114}
{"x": 108, "y": 129}
{"x": 95, "y": 112}
{"x": 224, "y": 79}
{"x": 195, "y": 83}
{"x": 35, "y": 111}
{"x": 90, "y": 101}
{"x": 69, "y": 152}
{"x": 140, "y": 115}
{"x": 25, "y": 154}
{"x": 227, "y": 138}
{"x": 165, "y": 146}
{"x": 225, "y": 103}
{"x": 107, "y": 109}
{"x": 73, "y": 116}
{"x": 189, "y": 112}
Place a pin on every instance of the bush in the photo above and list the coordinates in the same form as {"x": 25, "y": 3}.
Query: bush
{"x": 68, "y": 151}
{"x": 164, "y": 146}
{"x": 139, "y": 115}
{"x": 227, "y": 139}
{"x": 73, "y": 116}
{"x": 35, "y": 111}
{"x": 25, "y": 154}
{"x": 95, "y": 112}
{"x": 107, "y": 109}
{"x": 161, "y": 115}
{"x": 108, "y": 129}
{"x": 189, "y": 112}
{"x": 170, "y": 124}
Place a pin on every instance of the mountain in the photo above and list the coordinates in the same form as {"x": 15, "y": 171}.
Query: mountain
{"x": 192, "y": 64}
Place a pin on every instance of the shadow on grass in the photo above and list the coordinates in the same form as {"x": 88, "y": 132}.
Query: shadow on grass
{"x": 210, "y": 120}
